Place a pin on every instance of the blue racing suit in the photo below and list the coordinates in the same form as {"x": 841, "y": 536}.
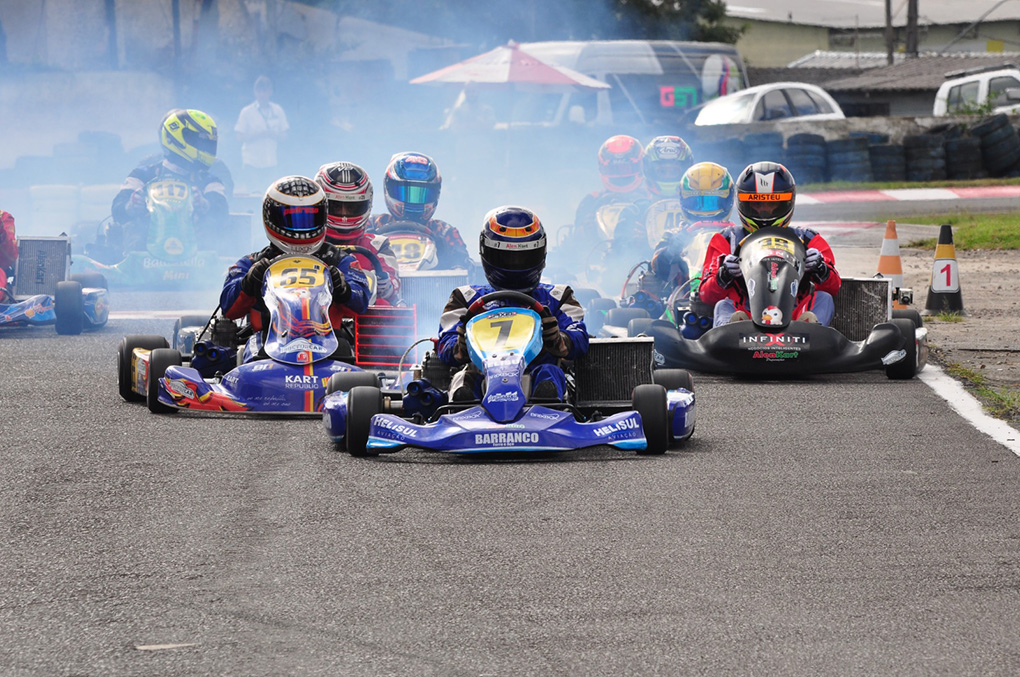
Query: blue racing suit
{"x": 560, "y": 301}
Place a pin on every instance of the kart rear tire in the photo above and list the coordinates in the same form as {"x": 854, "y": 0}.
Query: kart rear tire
{"x": 95, "y": 280}
{"x": 639, "y": 326}
{"x": 159, "y": 360}
{"x": 621, "y": 317}
{"x": 69, "y": 306}
{"x": 125, "y": 351}
{"x": 907, "y": 367}
{"x": 191, "y": 320}
{"x": 345, "y": 381}
{"x": 363, "y": 402}
{"x": 673, "y": 379}
{"x": 908, "y": 314}
{"x": 649, "y": 400}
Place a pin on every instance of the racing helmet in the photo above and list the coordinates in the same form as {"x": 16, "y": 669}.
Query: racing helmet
{"x": 765, "y": 195}
{"x": 620, "y": 163}
{"x": 411, "y": 186}
{"x": 189, "y": 138}
{"x": 294, "y": 215}
{"x": 665, "y": 160}
{"x": 706, "y": 193}
{"x": 348, "y": 199}
{"x": 512, "y": 247}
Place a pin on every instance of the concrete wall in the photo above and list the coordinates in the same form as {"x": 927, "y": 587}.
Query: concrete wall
{"x": 768, "y": 44}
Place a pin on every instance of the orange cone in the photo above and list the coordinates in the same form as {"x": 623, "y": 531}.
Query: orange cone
{"x": 944, "y": 291}
{"x": 889, "y": 263}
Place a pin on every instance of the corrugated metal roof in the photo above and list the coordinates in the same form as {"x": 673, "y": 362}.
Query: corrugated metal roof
{"x": 871, "y": 13}
{"x": 926, "y": 72}
{"x": 843, "y": 60}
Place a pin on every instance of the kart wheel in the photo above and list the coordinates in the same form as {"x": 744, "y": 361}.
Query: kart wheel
{"x": 95, "y": 280}
{"x": 908, "y": 314}
{"x": 125, "y": 355}
{"x": 159, "y": 360}
{"x": 345, "y": 381}
{"x": 639, "y": 326}
{"x": 673, "y": 379}
{"x": 69, "y": 305}
{"x": 184, "y": 322}
{"x": 649, "y": 400}
{"x": 907, "y": 367}
{"x": 363, "y": 402}
{"x": 620, "y": 317}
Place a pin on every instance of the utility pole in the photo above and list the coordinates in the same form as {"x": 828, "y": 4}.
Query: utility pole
{"x": 175, "y": 13}
{"x": 911, "y": 29}
{"x": 112, "y": 52}
{"x": 889, "y": 35}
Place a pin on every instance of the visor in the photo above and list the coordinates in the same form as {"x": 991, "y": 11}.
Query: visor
{"x": 344, "y": 209}
{"x": 515, "y": 257}
{"x": 199, "y": 140}
{"x": 667, "y": 171}
{"x": 620, "y": 169}
{"x": 412, "y": 193}
{"x": 706, "y": 204}
{"x": 303, "y": 219}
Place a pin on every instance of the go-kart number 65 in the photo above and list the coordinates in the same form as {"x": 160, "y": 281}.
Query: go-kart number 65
{"x": 503, "y": 333}
{"x": 310, "y": 276}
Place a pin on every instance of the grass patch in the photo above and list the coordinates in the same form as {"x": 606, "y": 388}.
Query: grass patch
{"x": 971, "y": 230}
{"x": 1001, "y": 402}
{"x": 947, "y": 317}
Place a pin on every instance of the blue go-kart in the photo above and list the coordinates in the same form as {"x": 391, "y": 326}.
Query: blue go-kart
{"x": 616, "y": 399}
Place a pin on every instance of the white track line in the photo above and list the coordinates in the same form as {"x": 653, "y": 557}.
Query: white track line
{"x": 154, "y": 314}
{"x": 967, "y": 406}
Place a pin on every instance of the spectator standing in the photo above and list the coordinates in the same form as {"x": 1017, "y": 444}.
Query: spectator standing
{"x": 260, "y": 126}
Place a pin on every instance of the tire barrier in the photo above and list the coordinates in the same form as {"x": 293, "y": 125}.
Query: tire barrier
{"x": 963, "y": 158}
{"x": 848, "y": 159}
{"x": 926, "y": 157}
{"x": 805, "y": 157}
{"x": 1000, "y": 145}
{"x": 763, "y": 146}
{"x": 888, "y": 162}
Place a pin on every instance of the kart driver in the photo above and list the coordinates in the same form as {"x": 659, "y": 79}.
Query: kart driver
{"x": 189, "y": 140}
{"x": 512, "y": 245}
{"x": 765, "y": 196}
{"x": 411, "y": 187}
{"x": 619, "y": 160}
{"x": 349, "y": 205}
{"x": 294, "y": 216}
{"x": 8, "y": 249}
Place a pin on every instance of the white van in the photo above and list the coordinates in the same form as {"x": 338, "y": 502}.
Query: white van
{"x": 651, "y": 82}
{"x": 970, "y": 89}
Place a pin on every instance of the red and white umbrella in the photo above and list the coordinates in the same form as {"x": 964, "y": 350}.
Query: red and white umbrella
{"x": 510, "y": 65}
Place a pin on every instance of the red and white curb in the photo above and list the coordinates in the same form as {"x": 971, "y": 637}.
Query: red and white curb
{"x": 908, "y": 195}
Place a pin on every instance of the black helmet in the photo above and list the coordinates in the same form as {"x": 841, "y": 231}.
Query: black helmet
{"x": 765, "y": 195}
{"x": 512, "y": 247}
{"x": 294, "y": 215}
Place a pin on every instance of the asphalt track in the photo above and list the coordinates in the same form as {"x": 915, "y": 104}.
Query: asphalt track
{"x": 832, "y": 525}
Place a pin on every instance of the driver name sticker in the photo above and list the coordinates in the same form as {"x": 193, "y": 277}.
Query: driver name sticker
{"x": 764, "y": 197}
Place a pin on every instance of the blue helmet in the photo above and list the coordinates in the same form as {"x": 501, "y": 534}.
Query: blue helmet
{"x": 512, "y": 248}
{"x": 411, "y": 186}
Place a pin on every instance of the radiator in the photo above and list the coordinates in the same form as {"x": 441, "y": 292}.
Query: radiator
{"x": 611, "y": 370}
{"x": 42, "y": 263}
{"x": 382, "y": 334}
{"x": 862, "y": 302}
{"x": 429, "y": 291}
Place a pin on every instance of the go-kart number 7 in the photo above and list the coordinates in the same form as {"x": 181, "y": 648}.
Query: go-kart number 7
{"x": 503, "y": 333}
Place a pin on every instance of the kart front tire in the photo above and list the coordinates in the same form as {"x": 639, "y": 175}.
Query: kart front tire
{"x": 345, "y": 381}
{"x": 674, "y": 379}
{"x": 94, "y": 280}
{"x": 69, "y": 306}
{"x": 649, "y": 400}
{"x": 639, "y": 326}
{"x": 907, "y": 367}
{"x": 159, "y": 360}
{"x": 363, "y": 402}
{"x": 125, "y": 356}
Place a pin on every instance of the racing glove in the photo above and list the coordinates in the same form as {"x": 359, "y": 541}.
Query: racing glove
{"x": 815, "y": 265}
{"x": 460, "y": 351}
{"x": 553, "y": 339}
{"x": 341, "y": 290}
{"x": 729, "y": 270}
{"x": 136, "y": 203}
{"x": 251, "y": 284}
{"x": 384, "y": 286}
{"x": 199, "y": 203}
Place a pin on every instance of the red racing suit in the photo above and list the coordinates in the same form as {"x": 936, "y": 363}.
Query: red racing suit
{"x": 8, "y": 246}
{"x": 235, "y": 303}
{"x": 726, "y": 241}
{"x": 380, "y": 246}
{"x": 450, "y": 248}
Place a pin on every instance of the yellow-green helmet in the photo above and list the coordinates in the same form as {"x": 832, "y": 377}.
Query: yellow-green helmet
{"x": 189, "y": 138}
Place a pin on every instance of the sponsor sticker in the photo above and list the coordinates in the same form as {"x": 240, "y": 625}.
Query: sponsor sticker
{"x": 506, "y": 439}
{"x": 511, "y": 396}
{"x": 626, "y": 424}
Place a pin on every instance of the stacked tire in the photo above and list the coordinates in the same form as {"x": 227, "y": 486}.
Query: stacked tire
{"x": 763, "y": 147}
{"x": 1000, "y": 145}
{"x": 849, "y": 159}
{"x": 964, "y": 158}
{"x": 926, "y": 157}
{"x": 805, "y": 158}
{"x": 888, "y": 162}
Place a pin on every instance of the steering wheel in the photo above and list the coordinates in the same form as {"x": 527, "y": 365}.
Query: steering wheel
{"x": 517, "y": 297}
{"x": 372, "y": 257}
{"x": 403, "y": 226}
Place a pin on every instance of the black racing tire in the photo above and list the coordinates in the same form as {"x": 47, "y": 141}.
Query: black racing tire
{"x": 345, "y": 381}
{"x": 907, "y": 367}
{"x": 649, "y": 400}
{"x": 190, "y": 320}
{"x": 990, "y": 124}
{"x": 673, "y": 379}
{"x": 125, "y": 353}
{"x": 585, "y": 295}
{"x": 805, "y": 140}
{"x": 639, "y": 326}
{"x": 69, "y": 306}
{"x": 621, "y": 317}
{"x": 908, "y": 314}
{"x": 363, "y": 402}
{"x": 998, "y": 138}
{"x": 95, "y": 280}
{"x": 159, "y": 360}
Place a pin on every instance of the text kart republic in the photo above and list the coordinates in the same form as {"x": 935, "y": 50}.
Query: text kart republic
{"x": 639, "y": 411}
